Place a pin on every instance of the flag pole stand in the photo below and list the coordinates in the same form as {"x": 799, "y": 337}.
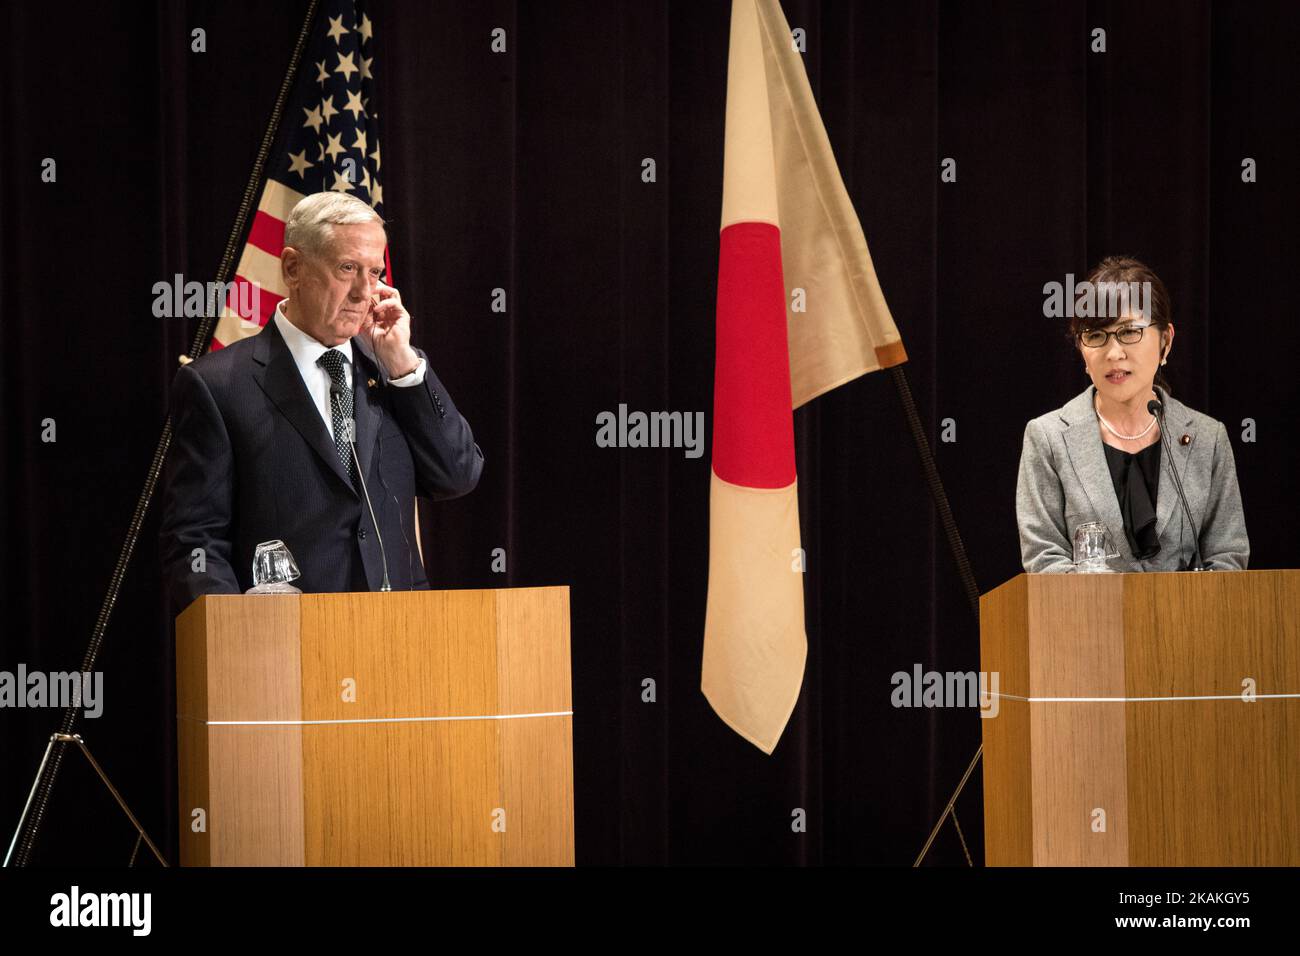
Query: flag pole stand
{"x": 49, "y": 769}
{"x": 58, "y": 738}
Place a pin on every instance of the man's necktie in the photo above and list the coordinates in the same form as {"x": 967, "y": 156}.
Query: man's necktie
{"x": 340, "y": 409}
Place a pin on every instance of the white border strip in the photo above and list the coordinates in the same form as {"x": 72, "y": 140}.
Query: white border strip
{"x": 1125, "y": 700}
{"x": 370, "y": 720}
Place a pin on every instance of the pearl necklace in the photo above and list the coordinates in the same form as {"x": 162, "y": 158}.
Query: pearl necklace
{"x": 1140, "y": 434}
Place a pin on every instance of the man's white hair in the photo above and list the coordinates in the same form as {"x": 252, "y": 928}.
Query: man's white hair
{"x": 310, "y": 226}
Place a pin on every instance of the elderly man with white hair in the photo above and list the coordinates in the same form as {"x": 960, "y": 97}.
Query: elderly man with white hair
{"x": 281, "y": 435}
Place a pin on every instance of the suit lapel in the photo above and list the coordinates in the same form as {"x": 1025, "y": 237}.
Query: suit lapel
{"x": 277, "y": 375}
{"x": 1089, "y": 460}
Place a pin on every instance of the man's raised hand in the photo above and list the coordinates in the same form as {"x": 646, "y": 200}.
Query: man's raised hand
{"x": 389, "y": 326}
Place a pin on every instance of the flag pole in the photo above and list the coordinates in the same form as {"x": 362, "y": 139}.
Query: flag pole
{"x": 49, "y": 770}
{"x": 936, "y": 489}
{"x": 964, "y": 572}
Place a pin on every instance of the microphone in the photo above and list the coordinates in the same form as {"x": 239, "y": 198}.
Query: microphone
{"x": 336, "y": 391}
{"x": 410, "y": 561}
{"x": 1157, "y": 408}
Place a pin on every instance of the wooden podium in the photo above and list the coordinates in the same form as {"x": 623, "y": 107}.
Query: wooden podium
{"x": 424, "y": 728}
{"x": 1123, "y": 706}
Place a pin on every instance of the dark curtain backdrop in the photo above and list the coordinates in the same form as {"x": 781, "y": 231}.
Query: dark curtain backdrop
{"x": 522, "y": 172}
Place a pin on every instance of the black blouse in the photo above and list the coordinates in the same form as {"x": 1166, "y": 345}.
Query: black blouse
{"x": 1137, "y": 479}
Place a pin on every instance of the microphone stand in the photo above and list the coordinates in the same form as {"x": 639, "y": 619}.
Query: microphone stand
{"x": 336, "y": 392}
{"x": 1157, "y": 407}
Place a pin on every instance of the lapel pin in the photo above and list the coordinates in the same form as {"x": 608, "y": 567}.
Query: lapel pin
{"x": 371, "y": 383}
{"x": 1185, "y": 440}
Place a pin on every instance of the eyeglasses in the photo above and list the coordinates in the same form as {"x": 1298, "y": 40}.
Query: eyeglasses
{"x": 1129, "y": 335}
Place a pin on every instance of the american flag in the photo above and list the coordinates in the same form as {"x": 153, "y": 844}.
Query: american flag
{"x": 328, "y": 139}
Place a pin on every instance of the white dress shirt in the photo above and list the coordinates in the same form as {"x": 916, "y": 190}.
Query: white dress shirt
{"x": 306, "y": 350}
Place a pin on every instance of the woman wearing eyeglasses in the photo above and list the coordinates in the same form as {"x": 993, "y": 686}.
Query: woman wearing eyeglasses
{"x": 1100, "y": 458}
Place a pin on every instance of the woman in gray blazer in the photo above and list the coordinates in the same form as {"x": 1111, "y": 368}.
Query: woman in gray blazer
{"x": 1099, "y": 457}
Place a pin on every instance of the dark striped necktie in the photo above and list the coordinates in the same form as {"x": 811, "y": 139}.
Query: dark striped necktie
{"x": 340, "y": 409}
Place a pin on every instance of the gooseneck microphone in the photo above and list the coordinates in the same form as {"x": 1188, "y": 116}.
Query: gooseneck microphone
{"x": 1157, "y": 408}
{"x": 336, "y": 392}
{"x": 410, "y": 561}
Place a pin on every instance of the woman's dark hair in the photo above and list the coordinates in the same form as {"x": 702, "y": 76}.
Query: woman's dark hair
{"x": 1122, "y": 270}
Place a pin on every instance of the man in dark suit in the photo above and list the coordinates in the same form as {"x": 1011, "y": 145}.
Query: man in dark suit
{"x": 260, "y": 428}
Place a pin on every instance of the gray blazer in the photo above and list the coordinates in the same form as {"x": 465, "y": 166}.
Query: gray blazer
{"x": 1064, "y": 481}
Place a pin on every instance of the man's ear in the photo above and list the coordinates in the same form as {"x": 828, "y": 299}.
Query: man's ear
{"x": 290, "y": 267}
